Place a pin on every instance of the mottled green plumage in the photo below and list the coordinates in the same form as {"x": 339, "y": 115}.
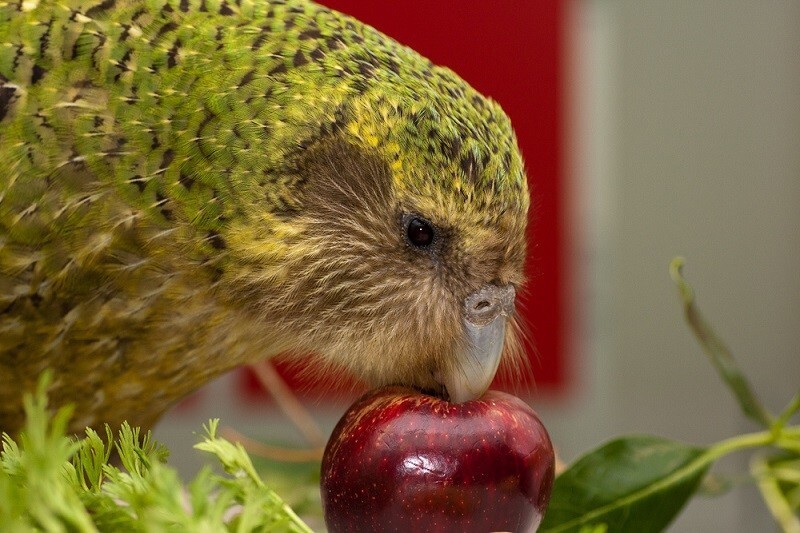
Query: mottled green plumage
{"x": 158, "y": 163}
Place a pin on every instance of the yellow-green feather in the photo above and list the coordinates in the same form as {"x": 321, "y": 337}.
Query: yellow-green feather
{"x": 148, "y": 151}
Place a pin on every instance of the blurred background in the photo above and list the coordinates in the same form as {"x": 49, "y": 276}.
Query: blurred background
{"x": 650, "y": 129}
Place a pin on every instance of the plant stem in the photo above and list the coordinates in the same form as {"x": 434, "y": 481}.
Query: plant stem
{"x": 787, "y": 439}
{"x": 773, "y": 497}
{"x": 721, "y": 357}
{"x": 787, "y": 413}
{"x": 738, "y": 443}
{"x": 297, "y": 523}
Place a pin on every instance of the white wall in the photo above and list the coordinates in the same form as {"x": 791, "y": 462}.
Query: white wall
{"x": 685, "y": 132}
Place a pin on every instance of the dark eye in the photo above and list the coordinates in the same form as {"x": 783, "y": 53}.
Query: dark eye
{"x": 419, "y": 232}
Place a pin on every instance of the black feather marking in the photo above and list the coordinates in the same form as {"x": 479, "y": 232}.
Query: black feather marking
{"x": 103, "y": 6}
{"x": 168, "y": 27}
{"x": 455, "y": 92}
{"x": 366, "y": 69}
{"x": 209, "y": 116}
{"x": 75, "y": 49}
{"x": 506, "y": 162}
{"x": 470, "y": 167}
{"x": 339, "y": 119}
{"x": 101, "y": 40}
{"x": 317, "y": 55}
{"x": 334, "y": 42}
{"x": 166, "y": 159}
{"x": 311, "y": 33}
{"x": 186, "y": 181}
{"x": 279, "y": 69}
{"x": 484, "y": 160}
{"x": 44, "y": 40}
{"x": 261, "y": 39}
{"x": 15, "y": 62}
{"x": 225, "y": 10}
{"x": 123, "y": 62}
{"x": 248, "y": 78}
{"x": 35, "y": 299}
{"x": 37, "y": 74}
{"x": 299, "y": 59}
{"x": 393, "y": 65}
{"x": 173, "y": 54}
{"x": 6, "y": 95}
{"x": 216, "y": 240}
{"x": 165, "y": 211}
{"x": 142, "y": 11}
{"x": 139, "y": 182}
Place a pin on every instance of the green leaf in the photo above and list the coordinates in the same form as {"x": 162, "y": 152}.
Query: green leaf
{"x": 636, "y": 484}
{"x": 719, "y": 353}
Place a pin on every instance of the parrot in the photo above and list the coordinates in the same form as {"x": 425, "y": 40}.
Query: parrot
{"x": 189, "y": 186}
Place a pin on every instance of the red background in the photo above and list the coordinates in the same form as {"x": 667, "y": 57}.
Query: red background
{"x": 510, "y": 50}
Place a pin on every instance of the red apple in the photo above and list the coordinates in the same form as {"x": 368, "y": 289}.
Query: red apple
{"x": 399, "y": 460}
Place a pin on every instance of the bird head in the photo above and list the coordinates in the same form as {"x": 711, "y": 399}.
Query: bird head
{"x": 401, "y": 254}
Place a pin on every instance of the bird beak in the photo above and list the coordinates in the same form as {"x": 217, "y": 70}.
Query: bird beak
{"x": 485, "y": 316}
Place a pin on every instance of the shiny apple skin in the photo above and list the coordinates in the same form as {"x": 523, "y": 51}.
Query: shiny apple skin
{"x": 403, "y": 461}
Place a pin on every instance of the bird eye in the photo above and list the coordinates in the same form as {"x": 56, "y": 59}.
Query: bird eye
{"x": 419, "y": 232}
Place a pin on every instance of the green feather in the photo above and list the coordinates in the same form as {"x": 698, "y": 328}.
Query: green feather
{"x": 149, "y": 151}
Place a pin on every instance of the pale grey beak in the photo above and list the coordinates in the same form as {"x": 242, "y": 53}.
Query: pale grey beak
{"x": 485, "y": 316}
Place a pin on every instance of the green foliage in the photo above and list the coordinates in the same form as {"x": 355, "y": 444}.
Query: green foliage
{"x": 635, "y": 483}
{"x": 640, "y": 483}
{"x": 50, "y": 482}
